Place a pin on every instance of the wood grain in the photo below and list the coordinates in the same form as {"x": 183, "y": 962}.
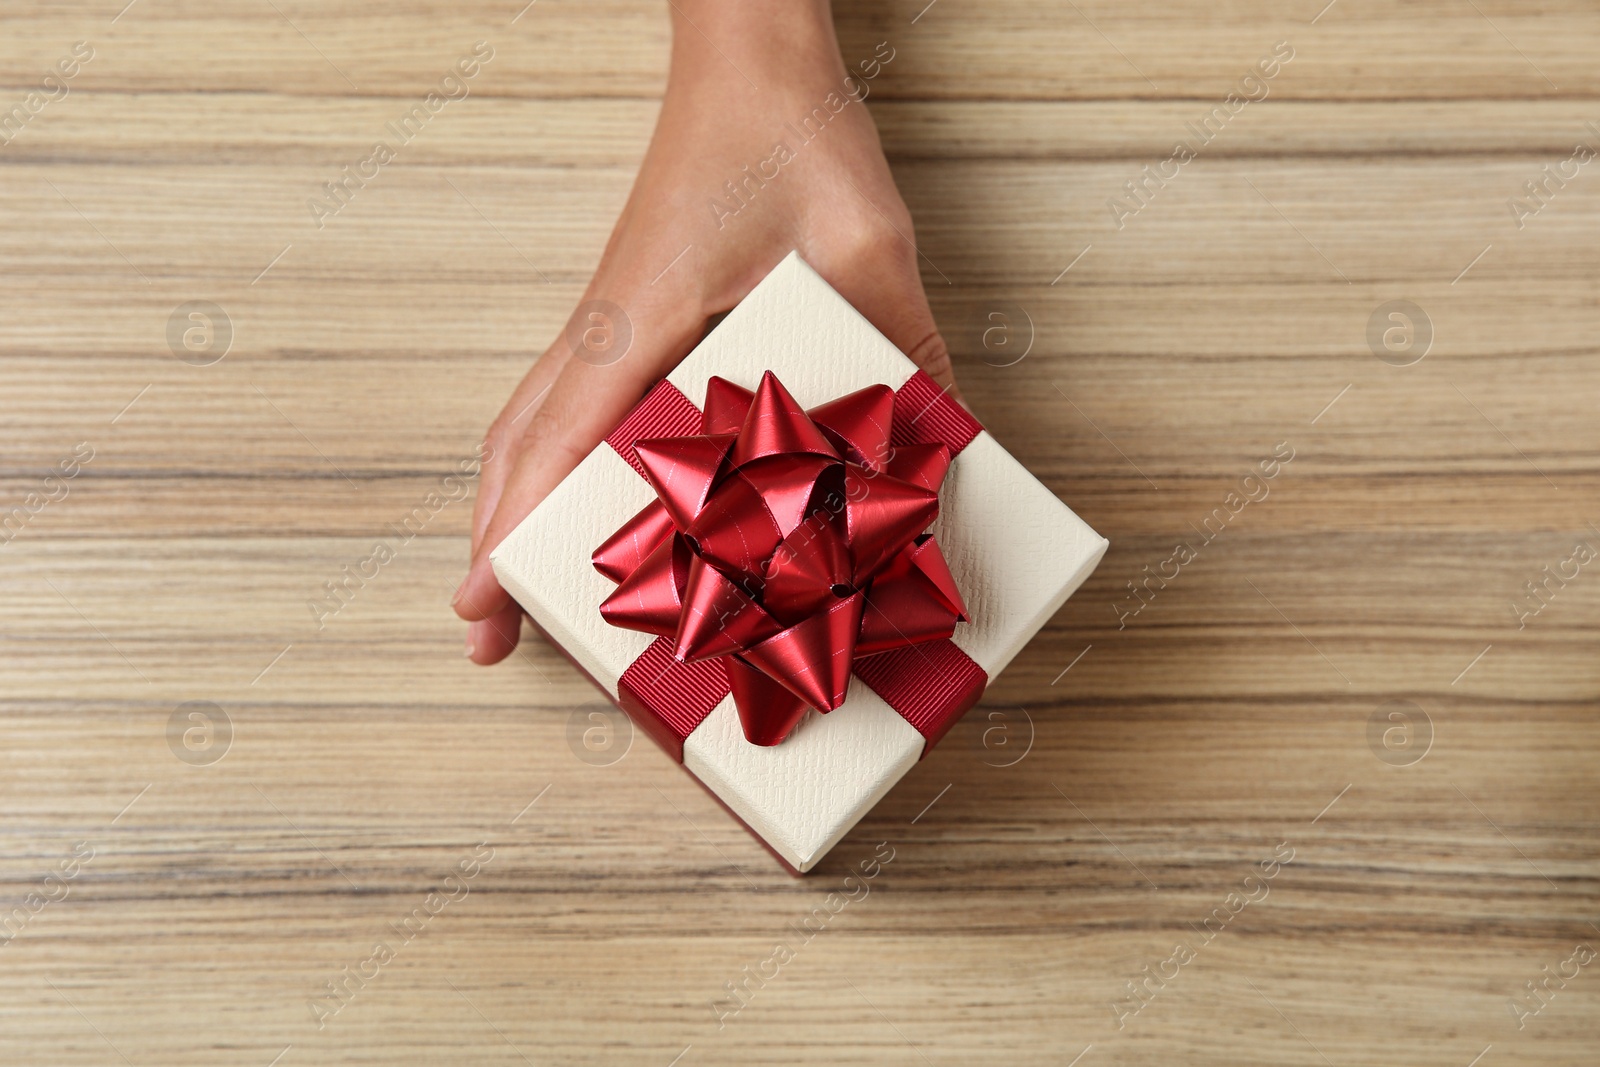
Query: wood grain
{"x": 1115, "y": 786}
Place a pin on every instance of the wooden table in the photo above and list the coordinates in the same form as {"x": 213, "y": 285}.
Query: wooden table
{"x": 1340, "y": 675}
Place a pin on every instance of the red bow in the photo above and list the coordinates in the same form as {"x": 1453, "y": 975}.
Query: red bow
{"x": 788, "y": 543}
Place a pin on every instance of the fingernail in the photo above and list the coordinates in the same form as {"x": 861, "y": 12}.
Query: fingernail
{"x": 461, "y": 590}
{"x": 470, "y": 649}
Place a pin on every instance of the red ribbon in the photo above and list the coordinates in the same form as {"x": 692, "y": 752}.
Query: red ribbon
{"x": 785, "y": 550}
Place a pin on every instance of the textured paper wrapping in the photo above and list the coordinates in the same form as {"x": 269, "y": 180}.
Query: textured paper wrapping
{"x": 1016, "y": 553}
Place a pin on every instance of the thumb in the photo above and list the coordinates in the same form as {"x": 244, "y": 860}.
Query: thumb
{"x": 584, "y": 404}
{"x": 887, "y": 289}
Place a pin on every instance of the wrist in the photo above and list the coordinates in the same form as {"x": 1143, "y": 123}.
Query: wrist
{"x": 776, "y": 45}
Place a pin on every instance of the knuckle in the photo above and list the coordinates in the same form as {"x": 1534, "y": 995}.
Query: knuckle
{"x": 933, "y": 355}
{"x": 547, "y": 441}
{"x": 490, "y": 448}
{"x": 497, "y": 439}
{"x": 877, "y": 241}
{"x": 861, "y": 233}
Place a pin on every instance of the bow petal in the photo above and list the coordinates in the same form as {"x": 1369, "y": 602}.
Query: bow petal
{"x": 858, "y": 424}
{"x": 767, "y": 711}
{"x": 928, "y": 559}
{"x": 624, "y": 550}
{"x": 882, "y": 513}
{"x": 726, "y": 406}
{"x": 808, "y": 572}
{"x": 650, "y": 599}
{"x": 792, "y": 486}
{"x": 718, "y": 618}
{"x": 921, "y": 464}
{"x": 735, "y": 530}
{"x": 682, "y": 471}
{"x": 777, "y": 424}
{"x": 906, "y": 605}
{"x": 812, "y": 659}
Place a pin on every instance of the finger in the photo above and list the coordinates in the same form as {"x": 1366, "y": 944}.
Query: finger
{"x": 498, "y": 453}
{"x": 886, "y": 287}
{"x": 584, "y": 404}
{"x": 507, "y": 429}
{"x": 493, "y": 639}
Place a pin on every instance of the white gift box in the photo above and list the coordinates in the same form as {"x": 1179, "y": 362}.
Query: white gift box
{"x": 1015, "y": 551}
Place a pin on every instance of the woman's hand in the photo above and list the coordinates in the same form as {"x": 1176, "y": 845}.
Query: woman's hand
{"x": 762, "y": 147}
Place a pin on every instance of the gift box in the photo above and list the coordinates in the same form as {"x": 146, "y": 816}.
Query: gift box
{"x": 796, "y": 563}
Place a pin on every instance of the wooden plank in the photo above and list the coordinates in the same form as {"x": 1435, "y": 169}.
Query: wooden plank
{"x": 616, "y": 48}
{"x": 497, "y": 130}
